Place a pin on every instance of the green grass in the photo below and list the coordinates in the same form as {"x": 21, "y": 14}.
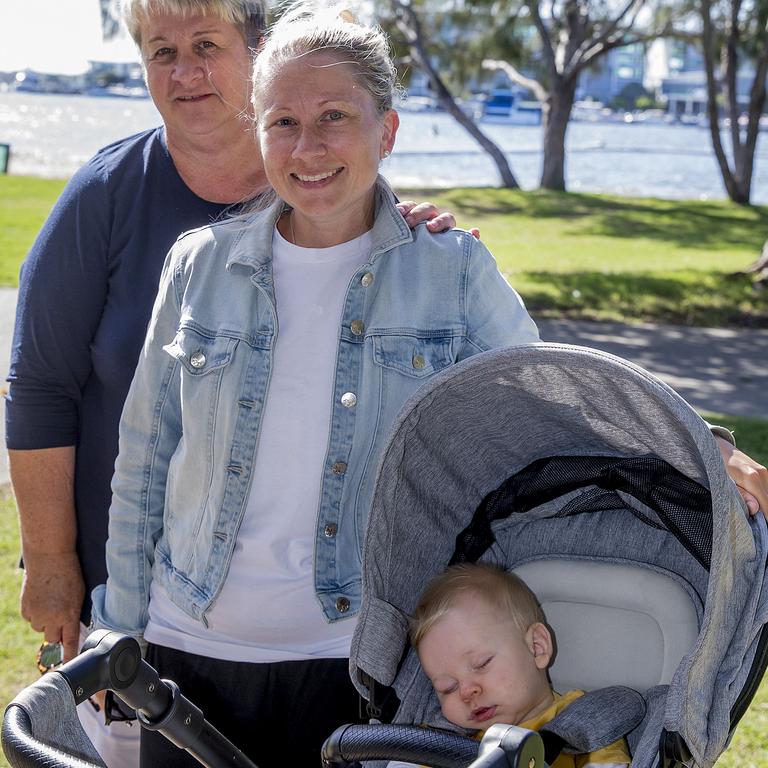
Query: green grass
{"x": 24, "y": 204}
{"x": 569, "y": 255}
{"x": 19, "y": 642}
{"x": 620, "y": 259}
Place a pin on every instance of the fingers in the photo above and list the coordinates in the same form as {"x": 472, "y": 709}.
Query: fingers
{"x": 70, "y": 639}
{"x": 52, "y": 595}
{"x": 418, "y": 213}
{"x": 753, "y": 506}
{"x": 404, "y": 206}
{"x": 99, "y": 699}
{"x": 442, "y": 222}
{"x": 750, "y": 477}
{"x": 475, "y": 232}
{"x": 422, "y": 212}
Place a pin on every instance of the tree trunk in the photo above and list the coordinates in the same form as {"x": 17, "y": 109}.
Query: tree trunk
{"x": 759, "y": 268}
{"x": 737, "y": 178}
{"x": 508, "y": 179}
{"x": 556, "y": 116}
{"x": 410, "y": 25}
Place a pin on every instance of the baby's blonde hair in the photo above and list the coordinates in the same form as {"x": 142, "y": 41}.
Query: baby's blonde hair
{"x": 505, "y": 591}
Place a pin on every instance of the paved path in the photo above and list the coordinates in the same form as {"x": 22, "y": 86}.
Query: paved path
{"x": 716, "y": 370}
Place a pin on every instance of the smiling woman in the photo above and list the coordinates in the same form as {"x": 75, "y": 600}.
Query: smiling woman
{"x": 322, "y": 139}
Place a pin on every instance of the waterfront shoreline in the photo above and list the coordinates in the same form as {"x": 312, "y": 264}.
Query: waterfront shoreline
{"x": 52, "y": 135}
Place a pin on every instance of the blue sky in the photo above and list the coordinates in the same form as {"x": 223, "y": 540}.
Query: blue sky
{"x": 55, "y": 36}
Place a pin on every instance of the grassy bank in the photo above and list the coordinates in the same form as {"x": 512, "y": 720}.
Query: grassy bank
{"x": 24, "y": 204}
{"x": 621, "y": 259}
{"x": 582, "y": 256}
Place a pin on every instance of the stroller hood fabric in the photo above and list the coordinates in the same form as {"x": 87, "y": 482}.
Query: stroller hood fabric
{"x": 532, "y": 413}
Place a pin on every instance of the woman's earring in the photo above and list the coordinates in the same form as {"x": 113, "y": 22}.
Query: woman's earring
{"x": 387, "y": 153}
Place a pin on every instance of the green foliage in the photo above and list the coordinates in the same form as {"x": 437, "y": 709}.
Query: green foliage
{"x": 629, "y": 96}
{"x": 459, "y": 36}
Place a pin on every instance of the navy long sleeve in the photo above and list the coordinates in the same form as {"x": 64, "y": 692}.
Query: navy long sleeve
{"x": 86, "y": 292}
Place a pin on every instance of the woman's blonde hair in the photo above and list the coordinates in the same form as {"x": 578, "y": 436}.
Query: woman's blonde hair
{"x": 250, "y": 16}
{"x": 505, "y": 591}
{"x": 314, "y": 26}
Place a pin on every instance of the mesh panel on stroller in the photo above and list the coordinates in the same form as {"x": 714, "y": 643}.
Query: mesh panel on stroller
{"x": 607, "y": 493}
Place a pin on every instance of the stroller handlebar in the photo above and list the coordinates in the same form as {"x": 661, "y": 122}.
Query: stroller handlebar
{"x": 24, "y": 750}
{"x": 503, "y": 746}
{"x": 109, "y": 661}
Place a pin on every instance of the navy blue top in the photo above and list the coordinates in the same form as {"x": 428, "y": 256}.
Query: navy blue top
{"x": 86, "y": 293}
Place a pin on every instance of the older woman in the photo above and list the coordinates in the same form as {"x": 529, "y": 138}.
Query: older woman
{"x": 281, "y": 347}
{"x": 88, "y": 285}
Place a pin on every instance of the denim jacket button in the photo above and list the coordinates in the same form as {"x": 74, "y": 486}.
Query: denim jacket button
{"x": 197, "y": 360}
{"x": 330, "y": 530}
{"x": 418, "y": 362}
{"x": 367, "y": 279}
{"x": 349, "y": 399}
{"x": 342, "y": 605}
{"x": 357, "y": 327}
{"x": 339, "y": 468}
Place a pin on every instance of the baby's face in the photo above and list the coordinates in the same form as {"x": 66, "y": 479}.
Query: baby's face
{"x": 483, "y": 669}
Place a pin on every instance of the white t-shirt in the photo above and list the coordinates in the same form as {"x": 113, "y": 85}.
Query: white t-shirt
{"x": 267, "y": 609}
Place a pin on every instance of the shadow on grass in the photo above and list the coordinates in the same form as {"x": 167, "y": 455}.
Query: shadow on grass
{"x": 712, "y": 224}
{"x": 703, "y": 299}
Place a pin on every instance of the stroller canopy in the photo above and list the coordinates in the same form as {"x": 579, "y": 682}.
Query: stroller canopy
{"x": 553, "y": 454}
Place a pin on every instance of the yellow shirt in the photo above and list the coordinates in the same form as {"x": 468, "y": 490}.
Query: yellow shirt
{"x": 614, "y": 754}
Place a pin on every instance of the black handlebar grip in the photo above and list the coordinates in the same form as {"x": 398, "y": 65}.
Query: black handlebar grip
{"x": 426, "y": 746}
{"x": 23, "y": 750}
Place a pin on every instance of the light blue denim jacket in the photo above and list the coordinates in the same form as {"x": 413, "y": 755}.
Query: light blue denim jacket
{"x": 190, "y": 427}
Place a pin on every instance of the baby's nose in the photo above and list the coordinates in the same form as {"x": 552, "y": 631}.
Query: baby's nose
{"x": 469, "y": 688}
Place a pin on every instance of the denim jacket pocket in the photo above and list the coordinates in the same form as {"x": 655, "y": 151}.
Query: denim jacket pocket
{"x": 206, "y": 362}
{"x": 414, "y": 355}
{"x": 199, "y": 353}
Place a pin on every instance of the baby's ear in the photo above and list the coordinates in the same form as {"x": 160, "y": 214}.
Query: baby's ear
{"x": 539, "y": 640}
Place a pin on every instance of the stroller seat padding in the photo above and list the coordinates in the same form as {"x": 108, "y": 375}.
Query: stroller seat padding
{"x": 614, "y": 623}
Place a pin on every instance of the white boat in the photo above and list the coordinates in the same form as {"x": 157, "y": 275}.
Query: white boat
{"x": 504, "y": 106}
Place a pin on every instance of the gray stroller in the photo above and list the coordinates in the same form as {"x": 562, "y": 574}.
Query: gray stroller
{"x": 605, "y": 491}
{"x": 598, "y": 485}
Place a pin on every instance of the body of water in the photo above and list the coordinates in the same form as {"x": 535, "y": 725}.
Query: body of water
{"x": 52, "y": 135}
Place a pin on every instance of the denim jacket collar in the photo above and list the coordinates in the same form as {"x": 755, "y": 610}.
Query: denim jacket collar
{"x": 253, "y": 246}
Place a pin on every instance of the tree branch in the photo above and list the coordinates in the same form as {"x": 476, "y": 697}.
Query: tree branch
{"x": 546, "y": 43}
{"x": 538, "y": 90}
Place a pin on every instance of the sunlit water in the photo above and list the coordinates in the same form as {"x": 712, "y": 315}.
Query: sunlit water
{"x": 52, "y": 135}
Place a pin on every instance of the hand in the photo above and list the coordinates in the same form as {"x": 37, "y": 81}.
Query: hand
{"x": 416, "y": 213}
{"x": 750, "y": 477}
{"x": 52, "y": 596}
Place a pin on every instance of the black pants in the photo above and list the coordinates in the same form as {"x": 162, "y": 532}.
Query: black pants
{"x": 278, "y": 714}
